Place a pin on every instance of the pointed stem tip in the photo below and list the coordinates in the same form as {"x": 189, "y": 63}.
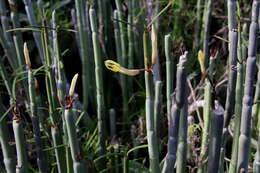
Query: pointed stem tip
{"x": 26, "y": 55}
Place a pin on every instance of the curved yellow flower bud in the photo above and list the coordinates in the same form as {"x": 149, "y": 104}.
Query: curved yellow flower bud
{"x": 201, "y": 58}
{"x": 115, "y": 67}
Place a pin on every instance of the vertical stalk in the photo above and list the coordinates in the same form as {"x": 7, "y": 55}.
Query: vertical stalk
{"x": 99, "y": 83}
{"x": 256, "y": 115}
{"x": 215, "y": 141}
{"x": 149, "y": 105}
{"x": 103, "y": 15}
{"x": 7, "y": 35}
{"x": 52, "y": 101}
{"x": 125, "y": 165}
{"x": 232, "y": 73}
{"x": 17, "y": 35}
{"x": 174, "y": 119}
{"x": 90, "y": 54}
{"x": 169, "y": 72}
{"x": 33, "y": 22}
{"x": 206, "y": 118}
{"x": 61, "y": 88}
{"x": 74, "y": 23}
{"x": 256, "y": 105}
{"x": 112, "y": 122}
{"x": 233, "y": 39}
{"x": 34, "y": 115}
{"x": 138, "y": 30}
{"x": 22, "y": 162}
{"x": 182, "y": 140}
{"x": 206, "y": 30}
{"x": 8, "y": 152}
{"x": 84, "y": 51}
{"x": 123, "y": 35}
{"x": 245, "y": 127}
{"x": 256, "y": 166}
{"x": 59, "y": 69}
{"x": 123, "y": 40}
{"x": 238, "y": 104}
{"x": 77, "y": 157}
{"x": 157, "y": 108}
{"x": 130, "y": 36}
{"x": 197, "y": 25}
{"x": 207, "y": 90}
{"x": 117, "y": 36}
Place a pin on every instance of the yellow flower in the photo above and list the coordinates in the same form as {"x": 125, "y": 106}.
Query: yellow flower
{"x": 201, "y": 58}
{"x": 115, "y": 67}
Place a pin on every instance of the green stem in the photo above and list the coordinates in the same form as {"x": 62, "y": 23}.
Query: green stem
{"x": 22, "y": 162}
{"x": 206, "y": 29}
{"x": 245, "y": 127}
{"x": 8, "y": 152}
{"x": 207, "y": 120}
{"x": 77, "y": 157}
{"x": 238, "y": 104}
{"x": 215, "y": 141}
{"x": 52, "y": 100}
{"x": 178, "y": 102}
{"x": 35, "y": 122}
{"x": 33, "y": 22}
{"x": 124, "y": 81}
{"x": 149, "y": 112}
{"x": 157, "y": 108}
{"x": 99, "y": 83}
{"x": 84, "y": 51}
{"x": 182, "y": 140}
{"x": 169, "y": 72}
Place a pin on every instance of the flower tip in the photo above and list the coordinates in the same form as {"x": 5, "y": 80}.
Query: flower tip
{"x": 112, "y": 65}
{"x": 73, "y": 85}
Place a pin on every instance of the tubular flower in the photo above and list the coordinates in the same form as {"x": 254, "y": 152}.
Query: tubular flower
{"x": 115, "y": 67}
